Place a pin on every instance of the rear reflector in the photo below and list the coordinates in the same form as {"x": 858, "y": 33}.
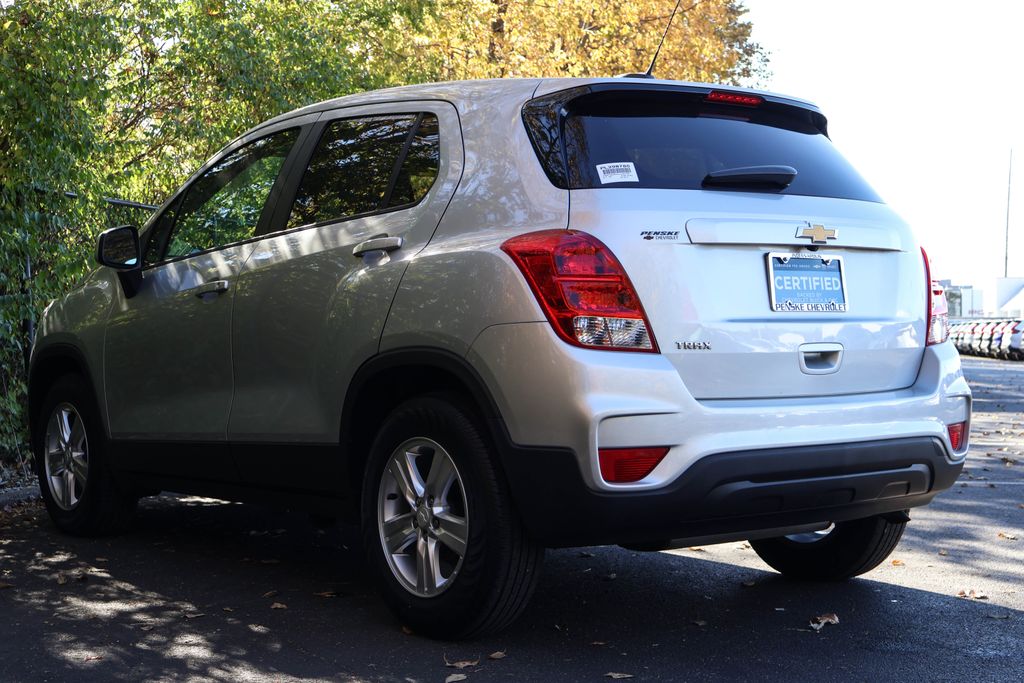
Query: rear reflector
{"x": 733, "y": 98}
{"x": 583, "y": 289}
{"x": 625, "y": 465}
{"x": 956, "y": 434}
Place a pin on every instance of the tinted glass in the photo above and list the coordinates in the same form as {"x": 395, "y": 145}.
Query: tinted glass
{"x": 673, "y": 139}
{"x": 355, "y": 168}
{"x": 419, "y": 169}
{"x": 677, "y": 152}
{"x": 224, "y": 205}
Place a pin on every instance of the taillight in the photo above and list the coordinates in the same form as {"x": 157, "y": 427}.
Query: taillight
{"x": 583, "y": 290}
{"x": 938, "y": 310}
{"x": 626, "y": 465}
{"x": 956, "y": 434}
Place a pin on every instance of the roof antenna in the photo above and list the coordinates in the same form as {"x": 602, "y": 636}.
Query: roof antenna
{"x": 650, "y": 69}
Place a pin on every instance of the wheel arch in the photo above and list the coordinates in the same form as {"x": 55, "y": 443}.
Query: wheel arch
{"x": 47, "y": 366}
{"x": 389, "y": 378}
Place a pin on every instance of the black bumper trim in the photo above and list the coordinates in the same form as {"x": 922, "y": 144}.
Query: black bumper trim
{"x": 727, "y": 493}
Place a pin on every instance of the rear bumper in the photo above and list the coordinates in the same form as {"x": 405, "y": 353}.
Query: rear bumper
{"x": 729, "y": 493}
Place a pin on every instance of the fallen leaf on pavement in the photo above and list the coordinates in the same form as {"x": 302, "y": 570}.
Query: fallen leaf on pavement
{"x": 615, "y": 676}
{"x": 972, "y": 595}
{"x": 194, "y": 615}
{"x": 147, "y": 627}
{"x": 228, "y": 609}
{"x": 898, "y": 563}
{"x": 406, "y": 630}
{"x": 93, "y": 658}
{"x": 1008, "y": 537}
{"x": 455, "y": 678}
{"x": 943, "y": 552}
{"x": 998, "y": 616}
{"x": 749, "y": 584}
{"x": 696, "y": 549}
{"x": 269, "y": 594}
{"x": 500, "y": 654}
{"x": 700, "y": 622}
{"x": 462, "y": 663}
{"x": 61, "y": 579}
{"x": 326, "y": 594}
{"x": 278, "y": 605}
{"x": 818, "y": 623}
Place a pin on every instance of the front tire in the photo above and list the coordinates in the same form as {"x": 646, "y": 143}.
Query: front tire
{"x": 447, "y": 549}
{"x": 845, "y": 550}
{"x": 75, "y": 481}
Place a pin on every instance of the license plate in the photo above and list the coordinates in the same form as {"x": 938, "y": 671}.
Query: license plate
{"x": 806, "y": 282}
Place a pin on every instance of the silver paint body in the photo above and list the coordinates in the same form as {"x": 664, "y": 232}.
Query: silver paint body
{"x": 270, "y": 358}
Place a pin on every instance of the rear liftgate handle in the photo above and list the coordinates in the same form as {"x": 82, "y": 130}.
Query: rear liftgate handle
{"x": 821, "y": 358}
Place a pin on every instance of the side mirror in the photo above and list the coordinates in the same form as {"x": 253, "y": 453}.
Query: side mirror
{"x": 118, "y": 248}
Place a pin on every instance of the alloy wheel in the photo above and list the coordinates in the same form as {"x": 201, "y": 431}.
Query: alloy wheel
{"x": 422, "y": 517}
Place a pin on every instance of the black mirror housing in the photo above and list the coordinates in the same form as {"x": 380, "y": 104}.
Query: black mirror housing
{"x": 118, "y": 248}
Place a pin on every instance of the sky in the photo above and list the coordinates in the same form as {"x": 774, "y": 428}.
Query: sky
{"x": 925, "y": 99}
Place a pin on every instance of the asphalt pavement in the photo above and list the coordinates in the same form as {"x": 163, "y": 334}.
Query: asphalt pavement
{"x": 206, "y": 590}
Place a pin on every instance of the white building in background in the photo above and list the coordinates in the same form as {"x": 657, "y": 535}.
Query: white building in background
{"x": 1003, "y": 299}
{"x": 1010, "y": 297}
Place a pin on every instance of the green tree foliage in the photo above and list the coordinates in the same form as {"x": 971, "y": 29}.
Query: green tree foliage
{"x": 125, "y": 99}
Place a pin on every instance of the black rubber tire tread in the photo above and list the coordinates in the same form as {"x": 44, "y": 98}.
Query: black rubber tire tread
{"x": 105, "y": 508}
{"x": 497, "y": 577}
{"x": 850, "y": 549}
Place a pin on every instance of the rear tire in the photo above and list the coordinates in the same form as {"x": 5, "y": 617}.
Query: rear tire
{"x": 846, "y": 550}
{"x": 450, "y": 555}
{"x": 75, "y": 480}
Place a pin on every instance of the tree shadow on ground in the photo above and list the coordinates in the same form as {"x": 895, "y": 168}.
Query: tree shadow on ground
{"x": 190, "y": 593}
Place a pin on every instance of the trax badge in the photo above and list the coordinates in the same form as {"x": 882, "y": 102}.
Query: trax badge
{"x": 819, "y": 234}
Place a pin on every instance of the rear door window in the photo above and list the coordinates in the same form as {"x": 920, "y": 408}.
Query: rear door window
{"x": 368, "y": 165}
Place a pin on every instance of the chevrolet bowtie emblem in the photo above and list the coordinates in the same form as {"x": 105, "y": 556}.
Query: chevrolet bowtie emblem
{"x": 819, "y": 234}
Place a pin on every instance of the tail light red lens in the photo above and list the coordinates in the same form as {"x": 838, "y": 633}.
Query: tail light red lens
{"x": 956, "y": 434}
{"x": 583, "y": 289}
{"x": 626, "y": 465}
{"x": 937, "y": 317}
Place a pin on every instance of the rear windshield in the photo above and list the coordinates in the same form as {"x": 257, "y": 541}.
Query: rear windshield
{"x": 673, "y": 141}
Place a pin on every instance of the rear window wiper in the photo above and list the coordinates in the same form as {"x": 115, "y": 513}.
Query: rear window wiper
{"x": 778, "y": 177}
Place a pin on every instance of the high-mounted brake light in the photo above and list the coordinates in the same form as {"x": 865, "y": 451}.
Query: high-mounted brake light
{"x": 626, "y": 465}
{"x": 726, "y": 97}
{"x": 583, "y": 289}
{"x": 937, "y": 317}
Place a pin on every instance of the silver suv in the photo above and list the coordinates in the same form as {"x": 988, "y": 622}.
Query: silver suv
{"x": 487, "y": 318}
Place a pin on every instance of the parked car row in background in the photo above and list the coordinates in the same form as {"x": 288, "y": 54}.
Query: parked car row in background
{"x": 993, "y": 338}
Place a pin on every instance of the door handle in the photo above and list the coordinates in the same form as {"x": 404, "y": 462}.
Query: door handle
{"x": 382, "y": 243}
{"x": 217, "y": 287}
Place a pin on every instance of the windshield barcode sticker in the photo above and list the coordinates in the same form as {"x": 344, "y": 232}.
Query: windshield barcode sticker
{"x": 623, "y": 172}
